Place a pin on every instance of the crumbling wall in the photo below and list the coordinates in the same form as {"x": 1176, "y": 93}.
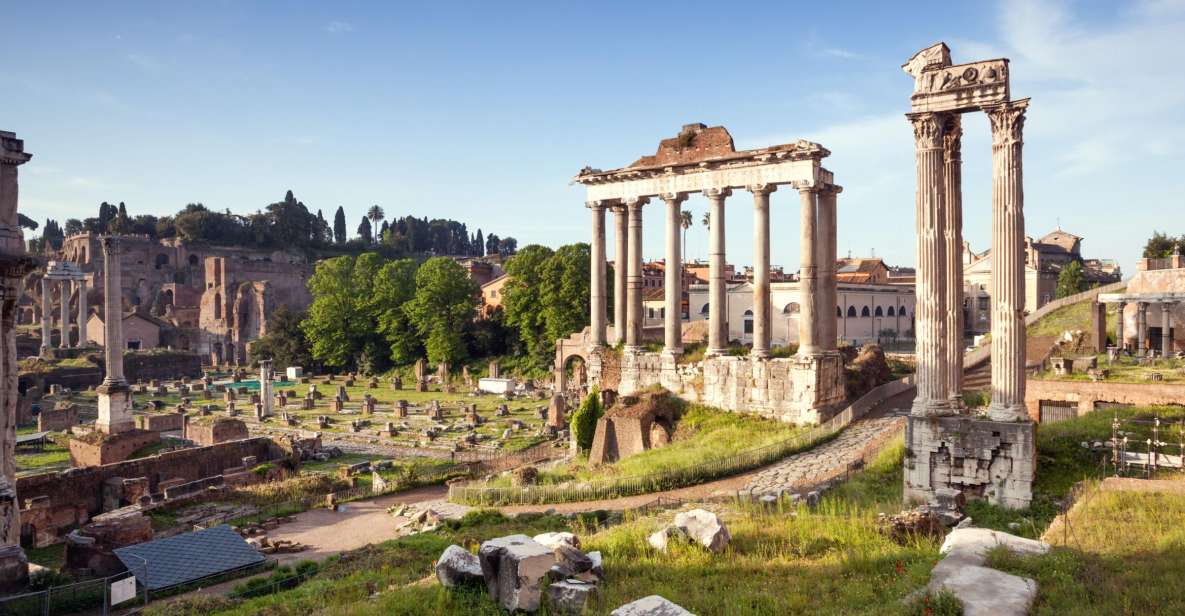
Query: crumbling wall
{"x": 985, "y": 459}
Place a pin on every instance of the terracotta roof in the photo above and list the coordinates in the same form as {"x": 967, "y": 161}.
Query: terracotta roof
{"x": 652, "y": 294}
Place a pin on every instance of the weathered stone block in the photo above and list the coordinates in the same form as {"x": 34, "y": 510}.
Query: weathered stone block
{"x": 514, "y": 567}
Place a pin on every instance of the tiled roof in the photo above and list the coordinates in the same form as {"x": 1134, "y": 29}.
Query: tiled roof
{"x": 187, "y": 557}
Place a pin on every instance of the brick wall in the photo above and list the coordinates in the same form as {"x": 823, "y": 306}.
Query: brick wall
{"x": 1086, "y": 394}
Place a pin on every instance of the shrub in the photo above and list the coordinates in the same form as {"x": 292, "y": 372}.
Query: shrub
{"x": 584, "y": 420}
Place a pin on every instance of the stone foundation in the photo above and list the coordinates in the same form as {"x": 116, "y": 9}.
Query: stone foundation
{"x": 1090, "y": 396}
{"x": 221, "y": 430}
{"x": 986, "y": 459}
{"x": 96, "y": 449}
{"x": 795, "y": 390}
{"x": 163, "y": 422}
{"x": 58, "y": 419}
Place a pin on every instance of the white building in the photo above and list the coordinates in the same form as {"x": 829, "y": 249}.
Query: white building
{"x": 864, "y": 311}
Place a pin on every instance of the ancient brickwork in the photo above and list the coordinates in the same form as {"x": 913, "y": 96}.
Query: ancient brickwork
{"x": 1089, "y": 395}
{"x": 992, "y": 460}
{"x": 111, "y": 448}
{"x": 221, "y": 430}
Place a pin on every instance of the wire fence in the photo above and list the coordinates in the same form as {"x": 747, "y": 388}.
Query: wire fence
{"x": 88, "y": 595}
{"x": 1145, "y": 446}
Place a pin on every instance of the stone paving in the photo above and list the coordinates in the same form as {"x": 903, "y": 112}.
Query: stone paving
{"x": 828, "y": 460}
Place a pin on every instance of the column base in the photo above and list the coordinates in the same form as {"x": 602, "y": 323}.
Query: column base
{"x": 981, "y": 458}
{"x": 1008, "y": 412}
{"x": 715, "y": 353}
{"x": 115, "y": 409}
{"x": 760, "y": 353}
{"x": 14, "y": 569}
{"x": 675, "y": 352}
{"x": 932, "y": 408}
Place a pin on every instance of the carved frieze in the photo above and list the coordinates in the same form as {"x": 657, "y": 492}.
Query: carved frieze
{"x": 940, "y": 86}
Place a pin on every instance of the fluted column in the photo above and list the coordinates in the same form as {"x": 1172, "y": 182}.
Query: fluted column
{"x": 1166, "y": 329}
{"x": 64, "y": 293}
{"x": 673, "y": 284}
{"x": 952, "y": 243}
{"x": 112, "y": 312}
{"x": 826, "y": 262}
{"x": 633, "y": 278}
{"x": 762, "y": 311}
{"x": 808, "y": 275}
{"x": 596, "y": 302}
{"x": 930, "y": 308}
{"x": 46, "y": 318}
{"x": 83, "y": 309}
{"x": 1008, "y": 262}
{"x": 717, "y": 291}
{"x": 1119, "y": 325}
{"x": 1141, "y": 328}
{"x": 620, "y": 258}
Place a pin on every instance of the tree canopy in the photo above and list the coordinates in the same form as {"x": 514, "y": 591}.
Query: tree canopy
{"x": 546, "y": 297}
{"x": 1071, "y": 280}
{"x": 1161, "y": 245}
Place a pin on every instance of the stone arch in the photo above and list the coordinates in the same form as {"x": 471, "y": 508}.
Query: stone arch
{"x": 852, "y": 312}
{"x": 704, "y": 310}
{"x": 866, "y": 312}
{"x": 880, "y": 312}
{"x": 791, "y": 308}
{"x": 891, "y": 312}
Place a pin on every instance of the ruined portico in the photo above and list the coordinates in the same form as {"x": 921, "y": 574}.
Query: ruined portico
{"x": 69, "y": 278}
{"x": 992, "y": 457}
{"x": 703, "y": 160}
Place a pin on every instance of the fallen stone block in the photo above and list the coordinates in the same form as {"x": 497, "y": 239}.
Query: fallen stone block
{"x": 457, "y": 567}
{"x": 555, "y": 540}
{"x": 705, "y": 528}
{"x": 513, "y": 568}
{"x": 653, "y": 605}
{"x": 988, "y": 592}
{"x": 569, "y": 597}
{"x": 572, "y": 559}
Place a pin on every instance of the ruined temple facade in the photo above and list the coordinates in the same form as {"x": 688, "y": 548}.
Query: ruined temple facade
{"x": 213, "y": 300}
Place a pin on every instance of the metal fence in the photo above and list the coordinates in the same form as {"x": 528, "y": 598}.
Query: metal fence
{"x": 1145, "y": 446}
{"x": 92, "y": 596}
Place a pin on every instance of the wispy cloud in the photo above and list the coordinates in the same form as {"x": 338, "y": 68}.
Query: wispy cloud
{"x": 339, "y": 27}
{"x": 838, "y": 52}
{"x": 145, "y": 62}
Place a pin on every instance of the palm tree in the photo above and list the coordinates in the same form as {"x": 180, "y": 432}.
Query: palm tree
{"x": 707, "y": 220}
{"x": 375, "y": 214}
{"x": 685, "y": 222}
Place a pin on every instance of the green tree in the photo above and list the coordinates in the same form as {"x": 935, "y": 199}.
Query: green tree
{"x": 584, "y": 420}
{"x": 685, "y": 222}
{"x": 1161, "y": 245}
{"x": 334, "y": 328}
{"x": 339, "y": 226}
{"x": 445, "y": 301}
{"x": 522, "y": 301}
{"x": 364, "y": 230}
{"x": 1071, "y": 280}
{"x": 395, "y": 286}
{"x": 285, "y": 342}
{"x": 565, "y": 291}
{"x": 375, "y": 214}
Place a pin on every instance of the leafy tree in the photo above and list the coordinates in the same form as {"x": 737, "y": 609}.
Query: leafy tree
{"x": 445, "y": 301}
{"x": 322, "y": 235}
{"x": 685, "y": 222}
{"x": 522, "y": 300}
{"x": 507, "y": 246}
{"x": 375, "y": 214}
{"x": 1160, "y": 245}
{"x": 491, "y": 244}
{"x": 395, "y": 286}
{"x": 334, "y": 327}
{"x": 339, "y": 226}
{"x": 364, "y": 229}
{"x": 479, "y": 245}
{"x": 52, "y": 235}
{"x": 28, "y": 223}
{"x": 288, "y": 224}
{"x": 120, "y": 223}
{"x": 285, "y": 341}
{"x": 1071, "y": 280}
{"x": 584, "y": 420}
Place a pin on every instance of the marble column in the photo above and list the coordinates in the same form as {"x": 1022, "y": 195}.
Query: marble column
{"x": 828, "y": 301}
{"x": 633, "y": 277}
{"x": 64, "y": 293}
{"x": 952, "y": 241}
{"x": 1166, "y": 329}
{"x": 929, "y": 307}
{"x": 1141, "y": 328}
{"x": 808, "y": 276}
{"x": 1008, "y": 262}
{"x": 620, "y": 257}
{"x": 46, "y": 318}
{"x": 673, "y": 270}
{"x": 596, "y": 302}
{"x": 717, "y": 286}
{"x": 115, "y": 397}
{"x": 1119, "y": 325}
{"x": 83, "y": 309}
{"x": 762, "y": 310}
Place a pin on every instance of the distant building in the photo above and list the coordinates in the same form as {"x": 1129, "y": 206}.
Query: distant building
{"x": 491, "y": 296}
{"x": 140, "y": 331}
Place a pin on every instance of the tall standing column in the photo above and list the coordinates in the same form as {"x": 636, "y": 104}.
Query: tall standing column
{"x": 808, "y": 277}
{"x": 633, "y": 278}
{"x": 620, "y": 257}
{"x": 597, "y": 275}
{"x": 1008, "y": 262}
{"x": 46, "y": 318}
{"x": 115, "y": 397}
{"x": 1141, "y": 328}
{"x": 717, "y": 291}
{"x": 952, "y": 241}
{"x": 1119, "y": 325}
{"x": 83, "y": 309}
{"x": 762, "y": 310}
{"x": 1166, "y": 329}
{"x": 930, "y": 310}
{"x": 673, "y": 284}
{"x": 826, "y": 263}
{"x": 64, "y": 340}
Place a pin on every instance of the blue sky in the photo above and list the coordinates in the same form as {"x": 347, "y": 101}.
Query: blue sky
{"x": 484, "y": 111}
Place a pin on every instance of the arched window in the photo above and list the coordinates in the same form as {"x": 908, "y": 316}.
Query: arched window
{"x": 704, "y": 311}
{"x": 838, "y": 312}
{"x": 217, "y": 305}
{"x": 865, "y": 312}
{"x": 193, "y": 260}
{"x": 851, "y": 311}
{"x": 879, "y": 312}
{"x": 748, "y": 321}
{"x": 791, "y": 308}
{"x": 891, "y": 311}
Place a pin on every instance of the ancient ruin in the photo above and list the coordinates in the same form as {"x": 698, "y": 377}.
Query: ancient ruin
{"x": 803, "y": 389}
{"x": 991, "y": 457}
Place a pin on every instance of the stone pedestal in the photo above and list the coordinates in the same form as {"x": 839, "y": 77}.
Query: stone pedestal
{"x": 992, "y": 460}
{"x": 115, "y": 408}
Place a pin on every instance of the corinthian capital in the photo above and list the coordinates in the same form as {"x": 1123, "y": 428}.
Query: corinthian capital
{"x": 927, "y": 129}
{"x": 952, "y": 137}
{"x": 1008, "y": 121}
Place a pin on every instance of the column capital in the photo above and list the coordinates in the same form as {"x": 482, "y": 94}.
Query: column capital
{"x": 603, "y": 204}
{"x": 830, "y": 189}
{"x": 952, "y": 138}
{"x": 674, "y": 198}
{"x": 803, "y": 186}
{"x": 636, "y": 202}
{"x": 761, "y": 189}
{"x": 717, "y": 193}
{"x": 111, "y": 244}
{"x": 1008, "y": 121}
{"x": 928, "y": 129}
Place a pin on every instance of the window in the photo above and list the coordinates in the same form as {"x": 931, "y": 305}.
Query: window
{"x": 704, "y": 311}
{"x": 865, "y": 312}
{"x": 791, "y": 308}
{"x": 838, "y": 312}
{"x": 133, "y": 345}
{"x": 748, "y": 321}
{"x": 880, "y": 312}
{"x": 852, "y": 312}
{"x": 891, "y": 311}
{"x": 217, "y": 305}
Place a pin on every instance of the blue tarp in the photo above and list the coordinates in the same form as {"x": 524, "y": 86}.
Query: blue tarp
{"x": 165, "y": 563}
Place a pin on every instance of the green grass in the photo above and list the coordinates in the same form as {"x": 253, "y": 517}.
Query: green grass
{"x": 880, "y": 486}
{"x": 50, "y": 556}
{"x": 1073, "y": 317}
{"x": 55, "y": 455}
{"x": 1127, "y": 370}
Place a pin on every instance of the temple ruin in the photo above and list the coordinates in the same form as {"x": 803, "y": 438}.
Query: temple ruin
{"x": 946, "y": 447}
{"x": 802, "y": 389}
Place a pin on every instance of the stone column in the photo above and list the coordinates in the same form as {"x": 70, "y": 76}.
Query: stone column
{"x": 1166, "y": 329}
{"x": 826, "y": 262}
{"x": 808, "y": 278}
{"x": 633, "y": 278}
{"x": 46, "y": 318}
{"x": 1141, "y": 328}
{"x": 673, "y": 284}
{"x": 1008, "y": 263}
{"x": 64, "y": 341}
{"x": 83, "y": 309}
{"x": 620, "y": 258}
{"x": 952, "y": 243}
{"x": 597, "y": 305}
{"x": 929, "y": 307}
{"x": 115, "y": 397}
{"x": 762, "y": 310}
{"x": 1119, "y": 325}
{"x": 717, "y": 286}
